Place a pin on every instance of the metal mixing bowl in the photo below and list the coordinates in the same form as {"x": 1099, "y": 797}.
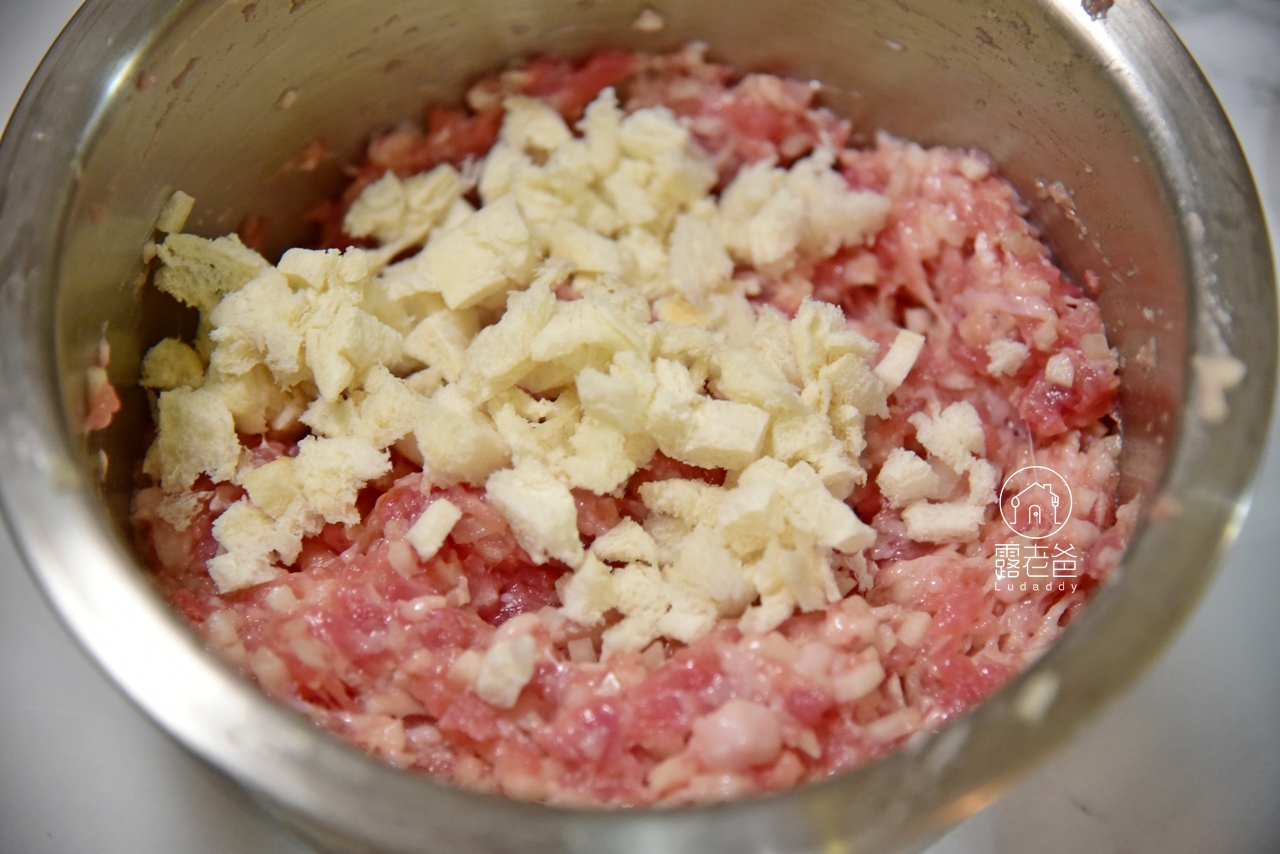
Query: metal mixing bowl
{"x": 139, "y": 97}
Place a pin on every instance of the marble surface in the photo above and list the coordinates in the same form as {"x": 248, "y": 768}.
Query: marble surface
{"x": 1187, "y": 761}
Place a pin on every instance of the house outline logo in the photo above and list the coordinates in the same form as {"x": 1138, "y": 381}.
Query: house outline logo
{"x": 1038, "y": 499}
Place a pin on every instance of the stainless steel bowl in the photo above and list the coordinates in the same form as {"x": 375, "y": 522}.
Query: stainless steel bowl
{"x": 138, "y": 98}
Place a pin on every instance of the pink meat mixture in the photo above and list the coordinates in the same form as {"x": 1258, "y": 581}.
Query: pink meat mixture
{"x": 368, "y": 641}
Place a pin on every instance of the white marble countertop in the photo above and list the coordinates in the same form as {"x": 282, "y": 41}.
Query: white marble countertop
{"x": 1187, "y": 761}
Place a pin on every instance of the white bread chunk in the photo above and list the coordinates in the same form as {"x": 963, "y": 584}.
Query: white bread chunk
{"x": 811, "y": 508}
{"x": 196, "y": 435}
{"x": 429, "y": 532}
{"x": 172, "y": 364}
{"x": 401, "y": 212}
{"x": 773, "y": 232}
{"x": 668, "y": 532}
{"x": 705, "y": 570}
{"x": 644, "y": 598}
{"x": 441, "y": 340}
{"x": 503, "y": 166}
{"x": 649, "y": 134}
{"x": 506, "y": 668}
{"x": 173, "y": 215}
{"x": 533, "y": 125}
{"x": 590, "y": 252}
{"x": 900, "y": 359}
{"x": 723, "y": 435}
{"x": 539, "y": 431}
{"x": 834, "y": 214}
{"x": 670, "y": 414}
{"x": 760, "y": 220}
{"x": 954, "y": 435}
{"x": 772, "y": 339}
{"x": 688, "y": 617}
{"x": 620, "y": 397}
{"x": 489, "y": 253}
{"x": 585, "y": 323}
{"x": 273, "y": 487}
{"x": 983, "y": 480}
{"x": 331, "y": 471}
{"x": 499, "y": 355}
{"x": 314, "y": 272}
{"x": 680, "y": 182}
{"x": 697, "y": 259}
{"x": 805, "y": 576}
{"x": 731, "y": 315}
{"x": 748, "y": 514}
{"x": 459, "y": 443}
{"x": 811, "y": 439}
{"x": 600, "y": 125}
{"x": 200, "y": 272}
{"x": 1006, "y": 357}
{"x": 949, "y": 522}
{"x": 389, "y": 410}
{"x": 745, "y": 375}
{"x": 248, "y": 536}
{"x": 645, "y": 261}
{"x": 905, "y": 478}
{"x": 692, "y": 501}
{"x": 780, "y": 574}
{"x": 255, "y": 402}
{"x": 540, "y": 510}
{"x": 601, "y": 460}
{"x": 626, "y": 542}
{"x": 239, "y": 570}
{"x": 549, "y": 177}
{"x": 585, "y": 595}
{"x": 768, "y": 214}
{"x": 343, "y": 342}
{"x": 621, "y": 297}
{"x": 688, "y": 345}
{"x": 625, "y": 190}
{"x": 263, "y": 322}
{"x": 853, "y": 383}
{"x": 820, "y": 336}
{"x": 772, "y": 611}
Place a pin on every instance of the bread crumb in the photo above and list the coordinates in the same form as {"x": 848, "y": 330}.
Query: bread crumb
{"x": 172, "y": 364}
{"x": 953, "y": 436}
{"x": 648, "y": 21}
{"x": 173, "y": 215}
{"x": 942, "y": 523}
{"x": 905, "y": 478}
{"x": 428, "y": 533}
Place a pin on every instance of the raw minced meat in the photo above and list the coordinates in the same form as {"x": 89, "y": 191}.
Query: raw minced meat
{"x": 391, "y": 650}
